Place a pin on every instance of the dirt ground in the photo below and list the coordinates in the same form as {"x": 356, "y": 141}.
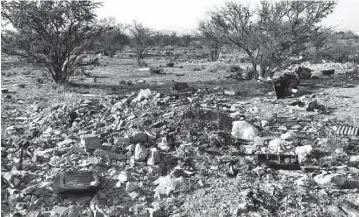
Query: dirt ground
{"x": 255, "y": 190}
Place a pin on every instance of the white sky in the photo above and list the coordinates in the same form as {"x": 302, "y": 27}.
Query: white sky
{"x": 184, "y": 15}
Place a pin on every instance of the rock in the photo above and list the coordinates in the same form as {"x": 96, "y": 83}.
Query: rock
{"x": 4, "y": 90}
{"x": 167, "y": 184}
{"x": 122, "y": 141}
{"x": 143, "y": 94}
{"x": 354, "y": 159}
{"x": 303, "y": 152}
{"x": 304, "y": 181}
{"x": 259, "y": 140}
{"x": 264, "y": 123}
{"x": 335, "y": 211}
{"x": 11, "y": 130}
{"x": 244, "y": 130}
{"x": 131, "y": 186}
{"x": 290, "y": 135}
{"x": 163, "y": 144}
{"x": 131, "y": 148}
{"x": 90, "y": 141}
{"x": 275, "y": 146}
{"x": 133, "y": 195}
{"x": 122, "y": 177}
{"x": 139, "y": 138}
{"x": 41, "y": 106}
{"x": 154, "y": 157}
{"x": 140, "y": 152}
{"x": 336, "y": 180}
{"x": 108, "y": 154}
{"x": 229, "y": 92}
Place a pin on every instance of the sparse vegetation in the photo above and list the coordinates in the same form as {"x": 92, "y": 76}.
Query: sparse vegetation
{"x": 51, "y": 34}
{"x": 164, "y": 109}
{"x": 271, "y": 34}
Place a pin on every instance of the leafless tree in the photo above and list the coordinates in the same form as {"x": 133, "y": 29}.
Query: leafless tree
{"x": 272, "y": 33}
{"x": 140, "y": 34}
{"x": 114, "y": 38}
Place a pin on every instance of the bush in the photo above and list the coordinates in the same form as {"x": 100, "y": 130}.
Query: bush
{"x": 156, "y": 70}
{"x": 244, "y": 60}
{"x": 22, "y": 85}
{"x": 168, "y": 53}
{"x": 39, "y": 80}
{"x": 235, "y": 68}
{"x": 170, "y": 64}
{"x": 196, "y": 69}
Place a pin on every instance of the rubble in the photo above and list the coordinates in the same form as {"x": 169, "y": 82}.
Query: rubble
{"x": 244, "y": 130}
{"x": 136, "y": 143}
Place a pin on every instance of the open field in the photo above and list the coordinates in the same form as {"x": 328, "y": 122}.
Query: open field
{"x": 207, "y": 172}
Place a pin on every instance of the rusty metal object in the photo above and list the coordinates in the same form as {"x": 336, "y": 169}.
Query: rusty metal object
{"x": 285, "y": 85}
{"x": 279, "y": 161}
{"x": 75, "y": 181}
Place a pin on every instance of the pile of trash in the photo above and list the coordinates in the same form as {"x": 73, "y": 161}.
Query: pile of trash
{"x": 128, "y": 154}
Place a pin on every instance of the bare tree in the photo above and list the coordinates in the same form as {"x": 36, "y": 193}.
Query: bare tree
{"x": 51, "y": 34}
{"x": 114, "y": 38}
{"x": 140, "y": 34}
{"x": 273, "y": 33}
{"x": 213, "y": 37}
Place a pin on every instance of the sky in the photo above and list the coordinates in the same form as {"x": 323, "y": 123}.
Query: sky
{"x": 183, "y": 15}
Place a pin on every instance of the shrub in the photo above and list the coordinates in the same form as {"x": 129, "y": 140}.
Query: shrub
{"x": 39, "y": 80}
{"x": 156, "y": 70}
{"x": 235, "y": 68}
{"x": 168, "y": 53}
{"x": 196, "y": 69}
{"x": 22, "y": 85}
{"x": 170, "y": 64}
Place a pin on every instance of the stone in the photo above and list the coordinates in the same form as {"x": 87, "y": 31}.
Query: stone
{"x": 303, "y": 152}
{"x": 264, "y": 123}
{"x": 275, "y": 145}
{"x": 41, "y": 106}
{"x": 133, "y": 195}
{"x": 163, "y": 144}
{"x": 131, "y": 148}
{"x": 304, "y": 181}
{"x": 154, "y": 157}
{"x": 329, "y": 180}
{"x": 140, "y": 152}
{"x": 4, "y": 90}
{"x": 143, "y": 94}
{"x": 108, "y": 154}
{"x": 354, "y": 159}
{"x": 259, "y": 140}
{"x": 122, "y": 177}
{"x": 290, "y": 135}
{"x": 90, "y": 141}
{"x": 229, "y": 92}
{"x": 131, "y": 186}
{"x": 122, "y": 141}
{"x": 139, "y": 138}
{"x": 244, "y": 130}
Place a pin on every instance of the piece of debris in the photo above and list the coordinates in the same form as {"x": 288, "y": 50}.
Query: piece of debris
{"x": 279, "y": 161}
{"x": 244, "y": 130}
{"x": 328, "y": 72}
{"x": 286, "y": 85}
{"x": 303, "y": 72}
{"x": 75, "y": 181}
